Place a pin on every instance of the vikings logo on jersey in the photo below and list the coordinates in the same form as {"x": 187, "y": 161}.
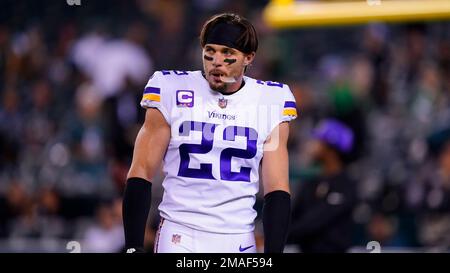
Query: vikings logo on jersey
{"x": 216, "y": 146}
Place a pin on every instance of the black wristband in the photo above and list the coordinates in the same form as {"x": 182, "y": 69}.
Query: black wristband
{"x": 135, "y": 208}
{"x": 276, "y": 220}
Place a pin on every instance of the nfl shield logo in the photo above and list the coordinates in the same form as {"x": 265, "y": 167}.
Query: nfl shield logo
{"x": 176, "y": 238}
{"x": 223, "y": 102}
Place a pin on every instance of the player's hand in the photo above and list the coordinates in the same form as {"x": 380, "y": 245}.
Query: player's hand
{"x": 135, "y": 250}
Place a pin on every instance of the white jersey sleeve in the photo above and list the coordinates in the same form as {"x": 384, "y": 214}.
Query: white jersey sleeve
{"x": 281, "y": 99}
{"x": 155, "y": 95}
{"x": 289, "y": 111}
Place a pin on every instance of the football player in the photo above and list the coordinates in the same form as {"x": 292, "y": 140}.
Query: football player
{"x": 216, "y": 132}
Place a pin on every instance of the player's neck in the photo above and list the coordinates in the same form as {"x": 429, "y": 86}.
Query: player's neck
{"x": 234, "y": 87}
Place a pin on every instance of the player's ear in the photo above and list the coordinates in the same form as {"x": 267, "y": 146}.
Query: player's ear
{"x": 248, "y": 58}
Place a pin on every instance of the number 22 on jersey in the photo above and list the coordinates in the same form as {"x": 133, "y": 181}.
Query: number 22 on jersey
{"x": 206, "y": 145}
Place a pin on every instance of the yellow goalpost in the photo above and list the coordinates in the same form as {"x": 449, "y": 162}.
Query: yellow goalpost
{"x": 292, "y": 14}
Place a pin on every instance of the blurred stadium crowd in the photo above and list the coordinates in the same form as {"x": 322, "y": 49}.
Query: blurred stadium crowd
{"x": 71, "y": 79}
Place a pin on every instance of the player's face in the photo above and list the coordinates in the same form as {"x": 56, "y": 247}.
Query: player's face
{"x": 316, "y": 151}
{"x": 224, "y": 67}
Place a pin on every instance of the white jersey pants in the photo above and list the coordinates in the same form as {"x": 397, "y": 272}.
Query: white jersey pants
{"x": 175, "y": 238}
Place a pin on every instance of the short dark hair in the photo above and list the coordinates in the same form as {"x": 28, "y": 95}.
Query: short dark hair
{"x": 248, "y": 38}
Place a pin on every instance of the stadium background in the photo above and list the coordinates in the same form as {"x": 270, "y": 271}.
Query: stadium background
{"x": 71, "y": 78}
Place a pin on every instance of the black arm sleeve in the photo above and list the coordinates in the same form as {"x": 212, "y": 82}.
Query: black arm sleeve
{"x": 276, "y": 220}
{"x": 135, "y": 209}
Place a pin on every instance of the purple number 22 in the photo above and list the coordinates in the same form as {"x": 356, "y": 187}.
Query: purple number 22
{"x": 206, "y": 145}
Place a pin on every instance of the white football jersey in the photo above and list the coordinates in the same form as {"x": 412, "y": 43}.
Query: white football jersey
{"x": 216, "y": 146}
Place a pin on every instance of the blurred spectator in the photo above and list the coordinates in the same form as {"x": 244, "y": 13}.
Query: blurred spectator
{"x": 110, "y": 62}
{"x": 85, "y": 134}
{"x": 375, "y": 43}
{"x": 345, "y": 104}
{"x": 122, "y": 123}
{"x": 322, "y": 212}
{"x": 106, "y": 235}
{"x": 11, "y": 126}
{"x": 28, "y": 218}
{"x": 49, "y": 213}
{"x": 14, "y": 205}
{"x": 429, "y": 194}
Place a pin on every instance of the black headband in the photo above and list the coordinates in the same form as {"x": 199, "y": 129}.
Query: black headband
{"x": 227, "y": 35}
